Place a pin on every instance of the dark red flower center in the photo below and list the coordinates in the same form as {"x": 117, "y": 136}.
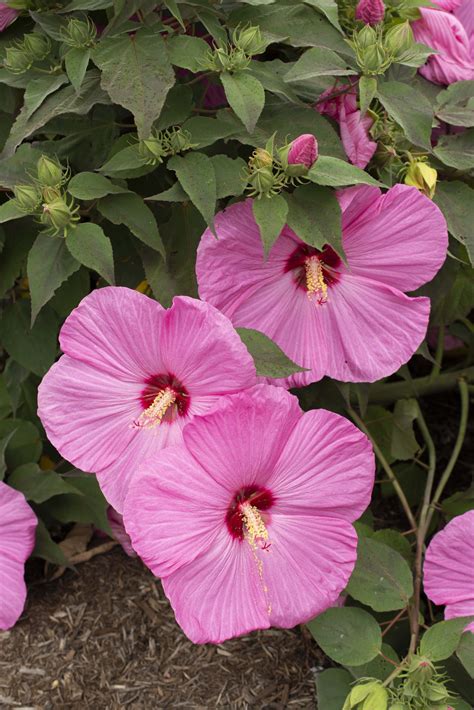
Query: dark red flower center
{"x": 243, "y": 517}
{"x": 314, "y": 270}
{"x": 164, "y": 398}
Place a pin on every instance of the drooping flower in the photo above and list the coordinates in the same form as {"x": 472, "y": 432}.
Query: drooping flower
{"x": 249, "y": 521}
{"x": 340, "y": 104}
{"x": 444, "y": 32}
{"x": 133, "y": 374}
{"x": 353, "y": 323}
{"x": 370, "y": 11}
{"x": 449, "y": 569}
{"x": 7, "y": 16}
{"x": 303, "y": 151}
{"x": 17, "y": 539}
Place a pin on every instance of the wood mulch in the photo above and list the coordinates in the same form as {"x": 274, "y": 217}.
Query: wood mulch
{"x": 105, "y": 637}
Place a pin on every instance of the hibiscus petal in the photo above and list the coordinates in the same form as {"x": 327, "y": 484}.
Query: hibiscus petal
{"x": 326, "y": 468}
{"x": 17, "y": 539}
{"x": 464, "y": 608}
{"x": 116, "y": 330}
{"x": 448, "y": 569}
{"x": 249, "y": 440}
{"x": 355, "y": 137}
{"x": 307, "y": 565}
{"x": 220, "y": 594}
{"x": 390, "y": 245}
{"x": 202, "y": 349}
{"x": 360, "y": 203}
{"x": 87, "y": 413}
{"x": 174, "y": 510}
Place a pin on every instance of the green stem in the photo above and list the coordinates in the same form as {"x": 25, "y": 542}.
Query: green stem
{"x": 464, "y": 394}
{"x": 386, "y": 467}
{"x": 386, "y": 393}
{"x": 439, "y": 353}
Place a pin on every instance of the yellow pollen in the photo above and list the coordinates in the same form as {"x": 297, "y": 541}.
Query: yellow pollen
{"x": 255, "y": 531}
{"x": 154, "y": 414}
{"x": 315, "y": 283}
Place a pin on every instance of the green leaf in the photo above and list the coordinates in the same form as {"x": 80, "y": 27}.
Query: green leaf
{"x": 465, "y": 652}
{"x": 404, "y": 443}
{"x": 130, "y": 210}
{"x": 396, "y": 541}
{"x": 332, "y": 687}
{"x": 25, "y": 444}
{"x": 158, "y": 275}
{"x": 124, "y": 160}
{"x": 178, "y": 107}
{"x": 314, "y": 214}
{"x": 77, "y": 61}
{"x": 229, "y": 175}
{"x": 441, "y": 640}
{"x": 367, "y": 91}
{"x": 206, "y": 131}
{"x": 39, "y": 485}
{"x": 187, "y": 52}
{"x": 89, "y": 506}
{"x": 336, "y": 173}
{"x": 49, "y": 265}
{"x": 270, "y": 215}
{"x": 328, "y": 8}
{"x": 196, "y": 174}
{"x": 246, "y": 96}
{"x": 379, "y": 667}
{"x": 270, "y": 360}
{"x": 5, "y": 399}
{"x": 455, "y": 104}
{"x": 38, "y": 90}
{"x": 91, "y": 186}
{"x": 34, "y": 349}
{"x": 318, "y": 62}
{"x": 63, "y": 101}
{"x": 9, "y": 210}
{"x": 137, "y": 74}
{"x": 270, "y": 75}
{"x": 46, "y": 548}
{"x": 410, "y": 109}
{"x": 90, "y": 246}
{"x": 4, "y": 441}
{"x": 456, "y": 201}
{"x": 381, "y": 578}
{"x": 457, "y": 151}
{"x": 348, "y": 635}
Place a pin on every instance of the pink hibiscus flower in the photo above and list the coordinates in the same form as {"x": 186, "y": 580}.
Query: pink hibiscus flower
{"x": 119, "y": 532}
{"x": 354, "y": 128}
{"x": 133, "y": 374}
{"x": 445, "y": 33}
{"x": 249, "y": 522}
{"x": 353, "y": 323}
{"x": 7, "y": 16}
{"x": 17, "y": 539}
{"x": 465, "y": 15}
{"x": 449, "y": 568}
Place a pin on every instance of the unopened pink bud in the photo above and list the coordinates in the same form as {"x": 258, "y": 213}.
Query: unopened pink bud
{"x": 370, "y": 11}
{"x": 303, "y": 151}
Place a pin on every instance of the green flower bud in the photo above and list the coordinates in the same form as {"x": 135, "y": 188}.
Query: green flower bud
{"x": 366, "y": 37}
{"x": 437, "y": 692}
{"x": 420, "y": 669}
{"x": 374, "y": 60}
{"x": 369, "y": 695}
{"x": 58, "y": 216}
{"x": 249, "y": 39}
{"x": 36, "y": 46}
{"x": 50, "y": 173}
{"x": 227, "y": 59}
{"x": 399, "y": 39}
{"x": 27, "y": 197}
{"x": 179, "y": 140}
{"x": 17, "y": 61}
{"x": 261, "y": 158}
{"x": 376, "y": 700}
{"x": 152, "y": 151}
{"x": 79, "y": 33}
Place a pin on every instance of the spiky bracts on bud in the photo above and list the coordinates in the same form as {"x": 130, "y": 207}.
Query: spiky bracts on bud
{"x": 421, "y": 687}
{"x": 79, "y": 34}
{"x": 249, "y": 39}
{"x": 20, "y": 56}
{"x": 59, "y": 215}
{"x": 236, "y": 55}
{"x": 163, "y": 144}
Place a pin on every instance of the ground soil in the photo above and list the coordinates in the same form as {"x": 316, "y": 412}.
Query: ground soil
{"x": 105, "y": 637}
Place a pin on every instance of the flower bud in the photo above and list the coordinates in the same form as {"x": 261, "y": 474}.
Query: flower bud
{"x": 369, "y": 695}
{"x": 179, "y": 140}
{"x": 374, "y": 60}
{"x": 261, "y": 158}
{"x": 17, "y": 61}
{"x": 227, "y": 59}
{"x": 50, "y": 173}
{"x": 423, "y": 177}
{"x": 36, "y": 46}
{"x": 152, "y": 151}
{"x": 58, "y": 216}
{"x": 366, "y": 37}
{"x": 27, "y": 197}
{"x": 302, "y": 154}
{"x": 370, "y": 11}
{"x": 399, "y": 39}
{"x": 437, "y": 692}
{"x": 79, "y": 33}
{"x": 249, "y": 40}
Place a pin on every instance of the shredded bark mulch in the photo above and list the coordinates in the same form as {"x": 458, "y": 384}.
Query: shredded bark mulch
{"x": 105, "y": 637}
